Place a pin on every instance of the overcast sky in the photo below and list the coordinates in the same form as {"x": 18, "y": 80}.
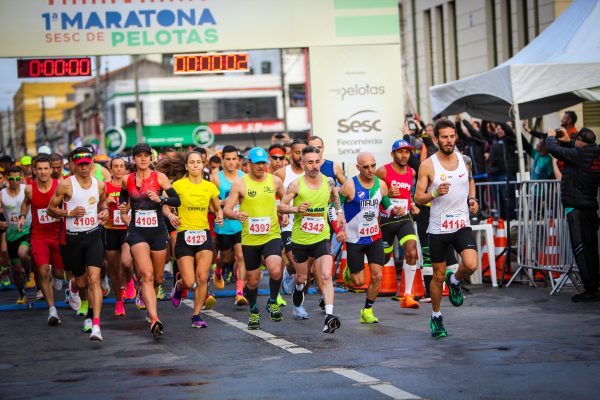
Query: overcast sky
{"x": 9, "y": 83}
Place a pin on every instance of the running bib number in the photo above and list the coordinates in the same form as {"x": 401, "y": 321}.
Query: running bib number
{"x": 87, "y": 221}
{"x": 195, "y": 238}
{"x": 259, "y": 225}
{"x": 43, "y": 217}
{"x": 368, "y": 228}
{"x": 402, "y": 203}
{"x": 314, "y": 225}
{"x": 117, "y": 220}
{"x": 146, "y": 219}
{"x": 451, "y": 222}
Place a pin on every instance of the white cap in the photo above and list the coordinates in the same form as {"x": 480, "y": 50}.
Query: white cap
{"x": 44, "y": 150}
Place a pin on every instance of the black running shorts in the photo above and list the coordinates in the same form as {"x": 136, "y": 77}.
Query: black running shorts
{"x": 356, "y": 255}
{"x": 462, "y": 239}
{"x": 252, "y": 254}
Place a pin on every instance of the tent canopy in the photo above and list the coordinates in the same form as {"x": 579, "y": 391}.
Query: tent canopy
{"x": 559, "y": 68}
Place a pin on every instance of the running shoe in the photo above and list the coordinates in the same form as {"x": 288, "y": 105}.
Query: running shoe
{"x": 347, "y": 277}
{"x": 5, "y": 282}
{"x": 331, "y": 323}
{"x": 274, "y": 311}
{"x": 30, "y": 281}
{"x": 280, "y": 301}
{"x": 139, "y": 301}
{"x": 240, "y": 300}
{"x": 218, "y": 278}
{"x": 322, "y": 303}
{"x": 454, "y": 291}
{"x": 254, "y": 321}
{"x": 157, "y": 328}
{"x": 160, "y": 293}
{"x": 22, "y": 299}
{"x": 87, "y": 325}
{"x": 300, "y": 312}
{"x": 105, "y": 286}
{"x": 39, "y": 295}
{"x": 287, "y": 284}
{"x": 197, "y": 322}
{"x": 210, "y": 302}
{"x": 367, "y": 317}
{"x": 119, "y": 308}
{"x": 130, "y": 291}
{"x": 53, "y": 319}
{"x": 83, "y": 309}
{"x": 96, "y": 334}
{"x": 66, "y": 296}
{"x": 437, "y": 327}
{"x": 57, "y": 284}
{"x": 407, "y": 301}
{"x": 175, "y": 296}
{"x": 74, "y": 299}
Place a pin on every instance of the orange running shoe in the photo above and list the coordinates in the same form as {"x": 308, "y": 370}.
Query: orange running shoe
{"x": 407, "y": 301}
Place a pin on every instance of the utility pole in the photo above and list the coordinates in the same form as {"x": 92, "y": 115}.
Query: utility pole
{"x": 138, "y": 105}
{"x": 282, "y": 74}
{"x": 100, "y": 107}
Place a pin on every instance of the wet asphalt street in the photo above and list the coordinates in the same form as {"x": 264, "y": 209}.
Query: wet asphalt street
{"x": 506, "y": 343}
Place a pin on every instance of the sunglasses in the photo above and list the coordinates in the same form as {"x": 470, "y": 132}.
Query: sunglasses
{"x": 372, "y": 166}
{"x": 279, "y": 158}
{"x": 14, "y": 178}
{"x": 79, "y": 156}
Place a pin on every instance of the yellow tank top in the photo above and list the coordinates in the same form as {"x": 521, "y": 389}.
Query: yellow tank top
{"x": 311, "y": 226}
{"x": 262, "y": 224}
{"x": 195, "y": 199}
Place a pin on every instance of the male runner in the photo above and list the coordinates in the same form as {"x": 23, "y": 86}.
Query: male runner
{"x": 261, "y": 236}
{"x": 311, "y": 195}
{"x": 446, "y": 181}
{"x": 362, "y": 197}
{"x": 17, "y": 240}
{"x": 277, "y": 157}
{"x": 84, "y": 198}
{"x": 398, "y": 177}
{"x": 44, "y": 232}
{"x": 229, "y": 235}
{"x": 329, "y": 168}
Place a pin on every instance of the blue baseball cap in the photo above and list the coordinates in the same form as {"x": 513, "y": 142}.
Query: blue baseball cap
{"x": 258, "y": 154}
{"x": 401, "y": 144}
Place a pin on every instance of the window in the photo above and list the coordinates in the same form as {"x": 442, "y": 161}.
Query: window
{"x": 297, "y": 93}
{"x": 428, "y": 47}
{"x": 452, "y": 32}
{"x": 180, "y": 111}
{"x": 247, "y": 108}
{"x": 492, "y": 40}
{"x": 129, "y": 114}
{"x": 265, "y": 67}
{"x": 208, "y": 110}
{"x": 440, "y": 44}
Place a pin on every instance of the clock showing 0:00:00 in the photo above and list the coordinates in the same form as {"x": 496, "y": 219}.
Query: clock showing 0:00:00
{"x": 209, "y": 63}
{"x": 54, "y": 67}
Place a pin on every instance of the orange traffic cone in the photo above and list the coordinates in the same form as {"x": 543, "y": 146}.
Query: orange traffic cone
{"x": 389, "y": 282}
{"x": 551, "y": 255}
{"x": 485, "y": 258}
{"x": 343, "y": 263}
{"x": 367, "y": 281}
{"x": 501, "y": 242}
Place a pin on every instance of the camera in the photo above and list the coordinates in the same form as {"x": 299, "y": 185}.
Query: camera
{"x": 412, "y": 125}
{"x": 559, "y": 132}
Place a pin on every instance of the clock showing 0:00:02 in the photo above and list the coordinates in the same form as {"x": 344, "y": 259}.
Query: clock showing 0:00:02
{"x": 209, "y": 63}
{"x": 54, "y": 67}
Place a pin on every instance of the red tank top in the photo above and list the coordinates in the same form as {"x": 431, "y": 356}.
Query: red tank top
{"x": 114, "y": 214}
{"x": 403, "y": 182}
{"x": 42, "y": 225}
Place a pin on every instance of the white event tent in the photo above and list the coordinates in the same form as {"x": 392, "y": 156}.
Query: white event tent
{"x": 559, "y": 68}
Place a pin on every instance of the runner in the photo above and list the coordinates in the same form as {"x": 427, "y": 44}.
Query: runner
{"x": 277, "y": 157}
{"x": 117, "y": 251}
{"x": 193, "y": 249}
{"x": 398, "y": 177}
{"x": 147, "y": 234}
{"x": 329, "y": 168}
{"x": 44, "y": 232}
{"x": 17, "y": 240}
{"x": 84, "y": 198}
{"x": 362, "y": 197}
{"x": 446, "y": 181}
{"x": 311, "y": 195}
{"x": 229, "y": 235}
{"x": 261, "y": 235}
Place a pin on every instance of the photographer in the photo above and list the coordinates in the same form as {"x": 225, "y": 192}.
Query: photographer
{"x": 579, "y": 196}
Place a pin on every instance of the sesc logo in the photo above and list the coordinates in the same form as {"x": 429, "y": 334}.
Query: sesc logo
{"x": 361, "y": 121}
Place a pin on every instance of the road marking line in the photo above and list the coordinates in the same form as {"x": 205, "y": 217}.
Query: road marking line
{"x": 266, "y": 336}
{"x": 375, "y": 384}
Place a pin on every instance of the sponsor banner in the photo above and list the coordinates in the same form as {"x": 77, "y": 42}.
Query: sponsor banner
{"x": 106, "y": 27}
{"x": 224, "y": 128}
{"x": 356, "y": 103}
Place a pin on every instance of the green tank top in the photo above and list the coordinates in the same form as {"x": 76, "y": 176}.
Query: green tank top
{"x": 262, "y": 224}
{"x": 98, "y": 174}
{"x": 311, "y": 227}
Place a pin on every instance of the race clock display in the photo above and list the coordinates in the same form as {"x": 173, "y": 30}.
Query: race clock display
{"x": 206, "y": 63}
{"x": 54, "y": 67}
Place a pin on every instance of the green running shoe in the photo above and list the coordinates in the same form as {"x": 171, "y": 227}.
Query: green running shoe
{"x": 254, "y": 321}
{"x": 367, "y": 317}
{"x": 437, "y": 327}
{"x": 275, "y": 311}
{"x": 160, "y": 293}
{"x": 83, "y": 308}
{"x": 280, "y": 301}
{"x": 454, "y": 291}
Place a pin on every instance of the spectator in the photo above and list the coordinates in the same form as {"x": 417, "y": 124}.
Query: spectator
{"x": 568, "y": 121}
{"x": 474, "y": 146}
{"x": 542, "y": 160}
{"x": 280, "y": 138}
{"x": 579, "y": 196}
{"x": 214, "y": 164}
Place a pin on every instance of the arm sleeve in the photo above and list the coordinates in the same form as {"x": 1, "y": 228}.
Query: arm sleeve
{"x": 173, "y": 200}
{"x": 124, "y": 195}
{"x": 527, "y": 146}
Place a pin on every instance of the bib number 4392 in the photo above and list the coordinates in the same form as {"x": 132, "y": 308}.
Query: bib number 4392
{"x": 259, "y": 225}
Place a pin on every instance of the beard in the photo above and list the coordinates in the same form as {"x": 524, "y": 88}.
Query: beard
{"x": 447, "y": 151}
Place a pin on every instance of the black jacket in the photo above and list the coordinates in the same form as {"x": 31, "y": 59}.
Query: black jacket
{"x": 581, "y": 175}
{"x": 474, "y": 147}
{"x": 497, "y": 165}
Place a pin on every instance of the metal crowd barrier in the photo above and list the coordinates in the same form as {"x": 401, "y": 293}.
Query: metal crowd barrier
{"x": 491, "y": 197}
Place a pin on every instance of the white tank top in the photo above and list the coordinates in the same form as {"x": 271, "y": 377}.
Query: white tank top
{"x": 12, "y": 206}
{"x": 290, "y": 176}
{"x": 87, "y": 198}
{"x": 450, "y": 212}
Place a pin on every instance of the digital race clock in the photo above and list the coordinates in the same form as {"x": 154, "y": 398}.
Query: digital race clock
{"x": 54, "y": 67}
{"x": 209, "y": 63}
